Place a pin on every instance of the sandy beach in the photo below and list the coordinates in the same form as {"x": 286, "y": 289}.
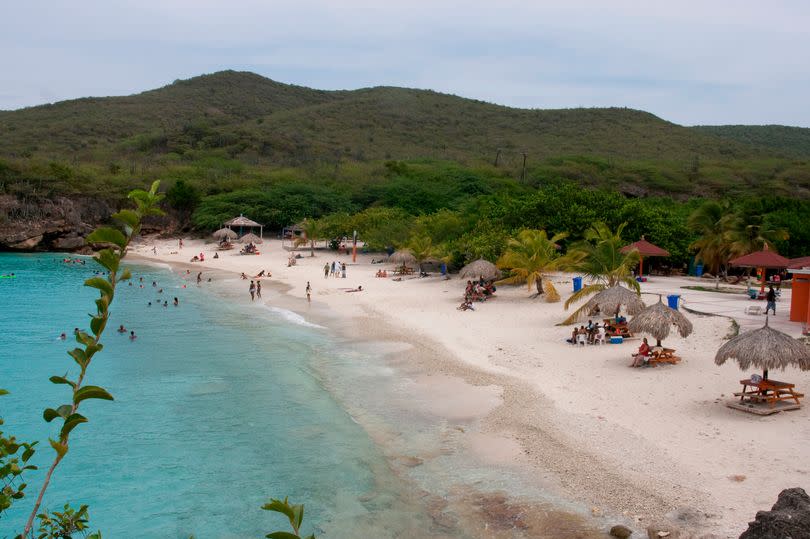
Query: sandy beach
{"x": 635, "y": 446}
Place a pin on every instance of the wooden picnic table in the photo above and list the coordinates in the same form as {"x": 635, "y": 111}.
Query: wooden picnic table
{"x": 767, "y": 391}
{"x": 614, "y": 329}
{"x": 663, "y": 355}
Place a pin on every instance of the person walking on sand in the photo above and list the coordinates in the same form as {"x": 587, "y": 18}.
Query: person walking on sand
{"x": 259, "y": 289}
{"x": 343, "y": 270}
{"x": 771, "y": 298}
{"x": 199, "y": 278}
{"x": 180, "y": 243}
{"x": 252, "y": 290}
{"x": 326, "y": 270}
{"x": 309, "y": 292}
{"x": 332, "y": 270}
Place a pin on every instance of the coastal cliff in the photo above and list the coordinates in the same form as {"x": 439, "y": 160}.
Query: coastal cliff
{"x": 57, "y": 224}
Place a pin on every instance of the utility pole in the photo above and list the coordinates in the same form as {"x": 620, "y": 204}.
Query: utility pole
{"x": 523, "y": 170}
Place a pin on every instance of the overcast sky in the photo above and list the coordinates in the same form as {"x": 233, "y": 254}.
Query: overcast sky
{"x": 688, "y": 61}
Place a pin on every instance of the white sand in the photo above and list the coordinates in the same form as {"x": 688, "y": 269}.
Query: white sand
{"x": 642, "y": 443}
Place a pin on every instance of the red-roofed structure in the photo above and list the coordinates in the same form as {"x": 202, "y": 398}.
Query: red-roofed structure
{"x": 762, "y": 259}
{"x": 644, "y": 248}
{"x": 799, "y": 263}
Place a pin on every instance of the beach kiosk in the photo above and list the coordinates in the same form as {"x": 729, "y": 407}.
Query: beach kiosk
{"x": 800, "y": 294}
{"x": 243, "y": 222}
{"x": 644, "y": 248}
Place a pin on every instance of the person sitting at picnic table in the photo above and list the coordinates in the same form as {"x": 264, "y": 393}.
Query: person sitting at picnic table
{"x": 643, "y": 355}
{"x": 573, "y": 339}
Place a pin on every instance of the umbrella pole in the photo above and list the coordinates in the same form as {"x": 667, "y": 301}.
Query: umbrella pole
{"x": 762, "y": 287}
{"x": 765, "y": 374}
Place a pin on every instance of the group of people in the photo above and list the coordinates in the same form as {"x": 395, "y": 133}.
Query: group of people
{"x": 198, "y": 258}
{"x": 249, "y": 249}
{"x": 479, "y": 290}
{"x": 335, "y": 269}
{"x": 382, "y": 273}
{"x": 592, "y": 333}
{"x": 255, "y": 289}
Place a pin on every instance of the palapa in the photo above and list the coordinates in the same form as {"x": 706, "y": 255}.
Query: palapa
{"x": 250, "y": 238}
{"x": 765, "y": 348}
{"x": 225, "y": 233}
{"x": 241, "y": 221}
{"x": 658, "y": 319}
{"x": 403, "y": 257}
{"x": 480, "y": 268}
{"x": 610, "y": 300}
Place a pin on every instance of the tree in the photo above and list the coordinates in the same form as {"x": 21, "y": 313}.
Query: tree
{"x": 599, "y": 258}
{"x": 713, "y": 222}
{"x": 184, "y": 198}
{"x": 422, "y": 248}
{"x": 529, "y": 257}
{"x": 313, "y": 231}
{"x": 751, "y": 233}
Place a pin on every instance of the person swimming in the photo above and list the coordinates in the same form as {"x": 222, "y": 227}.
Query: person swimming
{"x": 62, "y": 337}
{"x": 132, "y": 336}
{"x": 176, "y": 302}
{"x": 122, "y": 329}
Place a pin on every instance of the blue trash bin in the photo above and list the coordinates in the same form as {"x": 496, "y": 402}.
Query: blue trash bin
{"x": 672, "y": 301}
{"x": 577, "y": 284}
{"x": 699, "y": 270}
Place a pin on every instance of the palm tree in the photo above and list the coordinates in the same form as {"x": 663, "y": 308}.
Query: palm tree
{"x": 422, "y": 248}
{"x": 313, "y": 231}
{"x": 599, "y": 258}
{"x": 751, "y": 233}
{"x": 713, "y": 222}
{"x": 529, "y": 257}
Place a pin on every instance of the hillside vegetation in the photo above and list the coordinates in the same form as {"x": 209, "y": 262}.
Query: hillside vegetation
{"x": 389, "y": 161}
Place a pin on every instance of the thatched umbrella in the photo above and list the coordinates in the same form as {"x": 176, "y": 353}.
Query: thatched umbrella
{"x": 225, "y": 233}
{"x": 480, "y": 268}
{"x": 657, "y": 320}
{"x": 611, "y": 299}
{"x": 765, "y": 348}
{"x": 403, "y": 257}
{"x": 250, "y": 238}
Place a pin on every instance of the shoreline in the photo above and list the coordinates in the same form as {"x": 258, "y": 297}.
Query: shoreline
{"x": 584, "y": 449}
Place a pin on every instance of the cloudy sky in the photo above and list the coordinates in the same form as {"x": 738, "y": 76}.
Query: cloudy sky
{"x": 688, "y": 61}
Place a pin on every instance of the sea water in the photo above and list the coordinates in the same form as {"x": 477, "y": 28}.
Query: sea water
{"x": 217, "y": 409}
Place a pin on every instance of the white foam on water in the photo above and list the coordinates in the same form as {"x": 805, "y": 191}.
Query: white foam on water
{"x": 292, "y": 317}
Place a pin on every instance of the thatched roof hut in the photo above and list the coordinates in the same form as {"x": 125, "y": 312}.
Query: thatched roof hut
{"x": 765, "y": 348}
{"x": 241, "y": 221}
{"x": 225, "y": 233}
{"x": 403, "y": 257}
{"x": 250, "y": 238}
{"x": 612, "y": 299}
{"x": 658, "y": 319}
{"x": 480, "y": 268}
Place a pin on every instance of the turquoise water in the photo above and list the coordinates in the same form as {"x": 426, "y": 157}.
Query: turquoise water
{"x": 218, "y": 408}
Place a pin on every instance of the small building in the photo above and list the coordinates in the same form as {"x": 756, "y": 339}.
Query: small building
{"x": 800, "y": 297}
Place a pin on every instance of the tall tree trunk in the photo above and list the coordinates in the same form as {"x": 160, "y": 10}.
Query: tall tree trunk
{"x": 312, "y": 248}
{"x": 539, "y": 284}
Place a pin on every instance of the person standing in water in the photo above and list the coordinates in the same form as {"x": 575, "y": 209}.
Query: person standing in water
{"x": 132, "y": 336}
{"x": 252, "y": 290}
{"x": 199, "y": 278}
{"x": 309, "y": 292}
{"x": 259, "y": 289}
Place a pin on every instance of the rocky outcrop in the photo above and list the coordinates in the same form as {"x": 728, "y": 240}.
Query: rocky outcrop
{"x": 789, "y": 518}
{"x": 58, "y": 224}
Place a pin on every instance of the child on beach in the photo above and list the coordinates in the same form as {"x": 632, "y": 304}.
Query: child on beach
{"x": 309, "y": 291}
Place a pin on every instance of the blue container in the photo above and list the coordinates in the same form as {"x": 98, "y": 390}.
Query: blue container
{"x": 699, "y": 270}
{"x": 616, "y": 339}
{"x": 577, "y": 284}
{"x": 672, "y": 301}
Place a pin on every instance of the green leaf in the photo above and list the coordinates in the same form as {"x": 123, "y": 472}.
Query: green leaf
{"x": 63, "y": 411}
{"x": 109, "y": 259}
{"x": 127, "y": 217}
{"x": 284, "y": 508}
{"x": 282, "y": 535}
{"x": 82, "y": 337}
{"x": 29, "y": 452}
{"x": 106, "y": 234}
{"x": 126, "y": 275}
{"x": 61, "y": 449}
{"x": 91, "y": 392}
{"x": 3, "y": 392}
{"x": 72, "y": 422}
{"x": 97, "y": 324}
{"x": 100, "y": 283}
{"x": 61, "y": 380}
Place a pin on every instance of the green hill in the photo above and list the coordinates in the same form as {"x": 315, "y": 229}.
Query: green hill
{"x": 789, "y": 141}
{"x": 233, "y": 130}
